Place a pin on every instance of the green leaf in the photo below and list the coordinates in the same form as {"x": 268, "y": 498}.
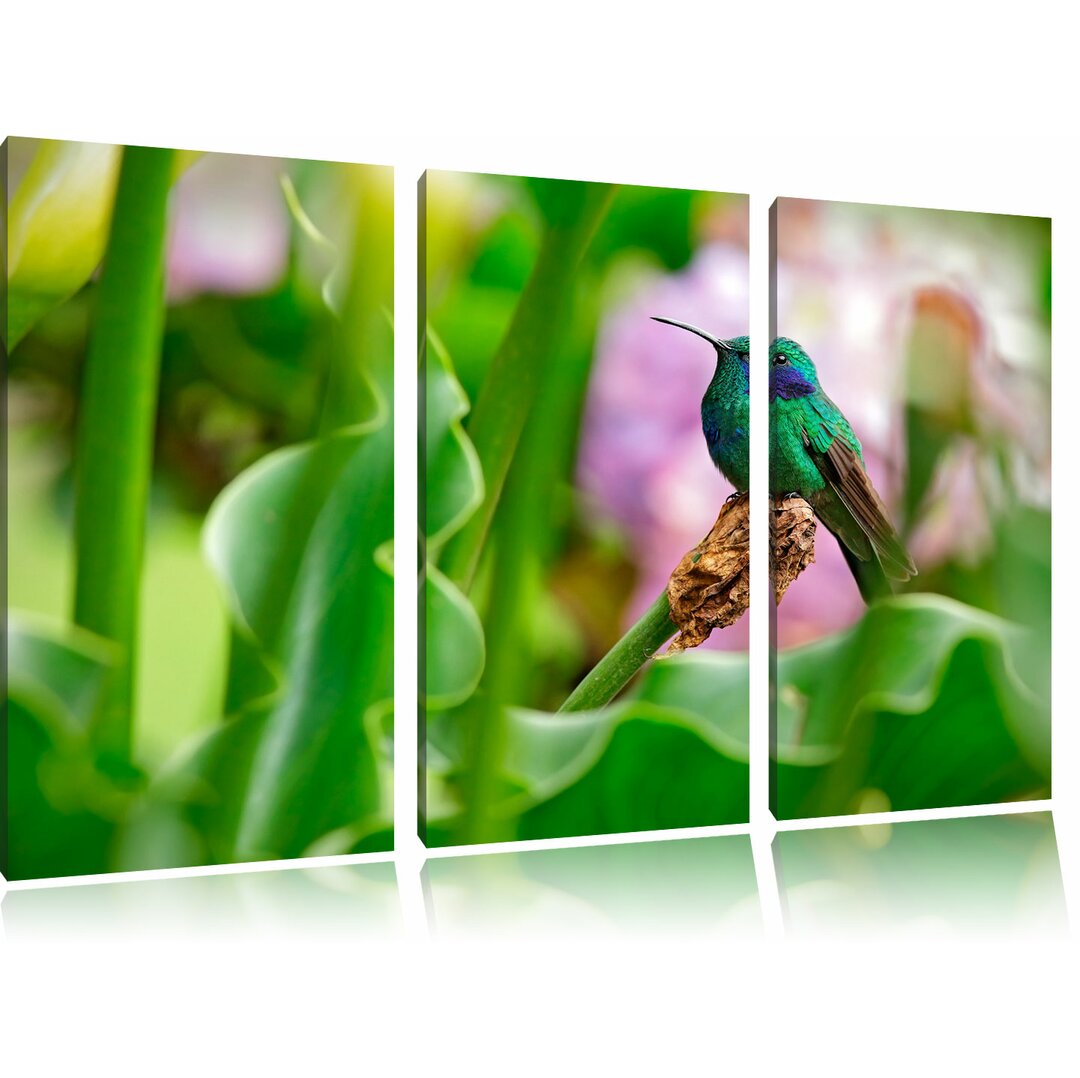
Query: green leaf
{"x": 453, "y": 489}
{"x": 653, "y": 770}
{"x": 190, "y": 813}
{"x": 61, "y": 670}
{"x": 58, "y": 221}
{"x": 302, "y": 543}
{"x": 517, "y": 370}
{"x": 257, "y": 530}
{"x": 454, "y": 657}
{"x": 654, "y": 219}
{"x": 924, "y": 703}
{"x": 673, "y": 755}
{"x": 562, "y": 202}
{"x": 299, "y": 544}
{"x": 453, "y": 481}
{"x": 61, "y": 808}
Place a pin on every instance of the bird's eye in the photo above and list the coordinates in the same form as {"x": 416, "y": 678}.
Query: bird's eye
{"x": 780, "y": 359}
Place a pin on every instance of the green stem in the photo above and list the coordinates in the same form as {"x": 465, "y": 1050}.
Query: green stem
{"x": 623, "y": 661}
{"x": 116, "y": 425}
{"x": 484, "y": 719}
{"x": 361, "y": 375}
{"x": 518, "y": 367}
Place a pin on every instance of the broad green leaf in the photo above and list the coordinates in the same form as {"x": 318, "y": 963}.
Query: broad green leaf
{"x": 297, "y": 545}
{"x": 277, "y": 502}
{"x": 673, "y": 755}
{"x": 923, "y": 703}
{"x": 300, "y": 543}
{"x": 713, "y": 687}
{"x": 656, "y": 771}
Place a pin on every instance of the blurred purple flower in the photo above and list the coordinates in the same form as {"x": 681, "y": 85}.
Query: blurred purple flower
{"x": 643, "y": 460}
{"x": 230, "y": 227}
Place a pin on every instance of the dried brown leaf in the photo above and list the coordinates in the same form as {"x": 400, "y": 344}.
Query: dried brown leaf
{"x": 791, "y": 542}
{"x": 710, "y": 588}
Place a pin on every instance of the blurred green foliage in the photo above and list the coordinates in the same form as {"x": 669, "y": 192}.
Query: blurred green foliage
{"x": 925, "y": 703}
{"x": 941, "y": 697}
{"x": 548, "y": 597}
{"x": 263, "y": 707}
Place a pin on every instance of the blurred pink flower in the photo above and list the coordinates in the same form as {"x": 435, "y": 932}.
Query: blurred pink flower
{"x": 854, "y": 284}
{"x": 955, "y": 521}
{"x": 229, "y": 231}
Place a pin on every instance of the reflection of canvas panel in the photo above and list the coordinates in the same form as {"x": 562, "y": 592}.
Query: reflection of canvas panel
{"x": 703, "y": 888}
{"x": 910, "y": 406}
{"x": 199, "y": 461}
{"x": 566, "y": 475}
{"x": 343, "y": 904}
{"x": 977, "y": 875}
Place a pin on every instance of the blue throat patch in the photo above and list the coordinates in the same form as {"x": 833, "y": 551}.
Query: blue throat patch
{"x": 788, "y": 384}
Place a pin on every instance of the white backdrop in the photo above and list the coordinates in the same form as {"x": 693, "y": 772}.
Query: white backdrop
{"x": 920, "y": 106}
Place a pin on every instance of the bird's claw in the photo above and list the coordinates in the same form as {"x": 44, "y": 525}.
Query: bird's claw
{"x": 733, "y": 495}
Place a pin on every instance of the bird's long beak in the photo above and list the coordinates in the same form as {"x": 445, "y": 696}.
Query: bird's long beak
{"x": 718, "y": 344}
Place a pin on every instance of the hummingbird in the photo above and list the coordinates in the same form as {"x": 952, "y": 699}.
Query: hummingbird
{"x": 813, "y": 452}
{"x": 725, "y": 408}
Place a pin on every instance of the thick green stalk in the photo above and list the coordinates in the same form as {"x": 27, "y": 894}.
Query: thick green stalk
{"x": 623, "y": 661}
{"x": 116, "y": 425}
{"x": 518, "y": 367}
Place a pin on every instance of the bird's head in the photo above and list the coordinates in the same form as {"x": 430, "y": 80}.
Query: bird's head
{"x": 740, "y": 346}
{"x": 791, "y": 371}
{"x": 784, "y": 352}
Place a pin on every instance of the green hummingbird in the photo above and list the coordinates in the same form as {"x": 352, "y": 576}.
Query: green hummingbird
{"x": 813, "y": 452}
{"x": 725, "y": 408}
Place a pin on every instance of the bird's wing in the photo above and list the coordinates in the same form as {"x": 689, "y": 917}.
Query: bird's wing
{"x": 835, "y": 450}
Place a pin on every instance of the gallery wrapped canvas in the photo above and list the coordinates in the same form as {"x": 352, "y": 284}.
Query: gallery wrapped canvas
{"x": 909, "y": 414}
{"x": 199, "y": 508}
{"x": 566, "y": 472}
